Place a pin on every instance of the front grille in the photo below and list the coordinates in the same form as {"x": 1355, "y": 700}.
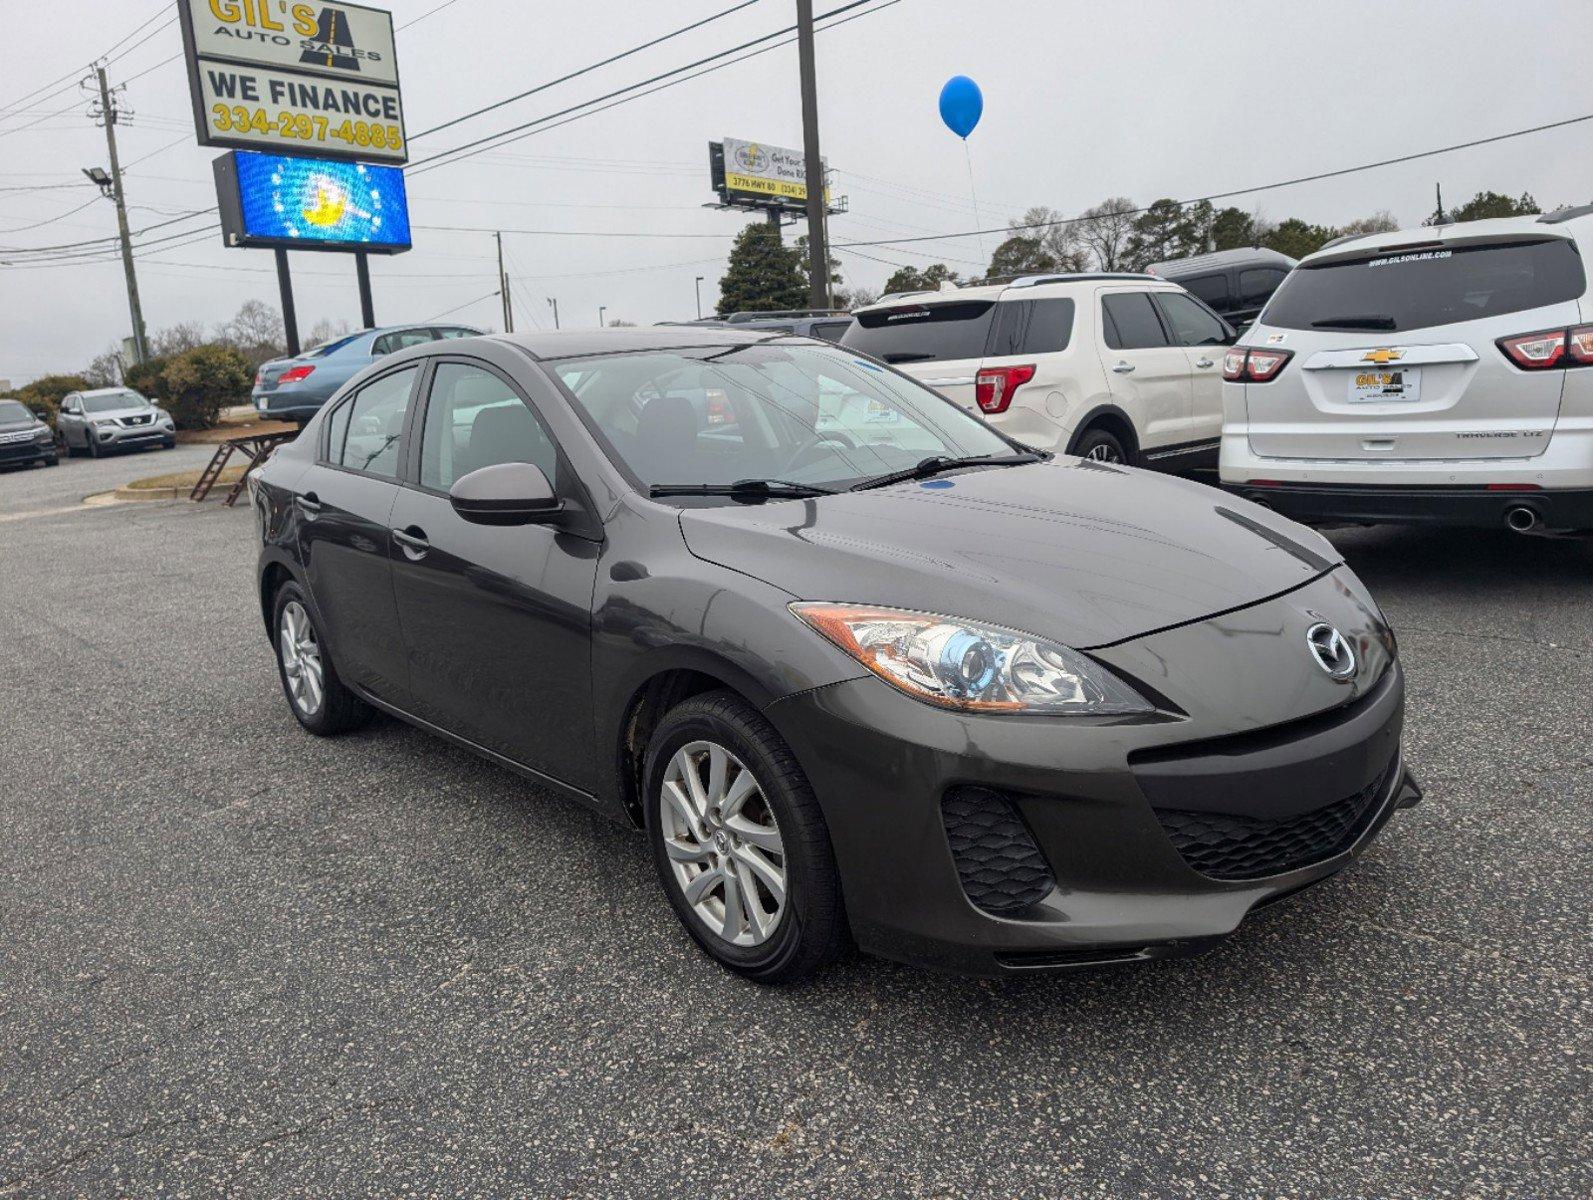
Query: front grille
{"x": 26, "y": 435}
{"x": 135, "y": 420}
{"x": 1000, "y": 868}
{"x": 1232, "y": 847}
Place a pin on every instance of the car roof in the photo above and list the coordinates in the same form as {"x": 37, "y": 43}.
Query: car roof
{"x": 109, "y": 391}
{"x": 1173, "y": 268}
{"x": 1548, "y": 225}
{"x": 994, "y": 291}
{"x": 578, "y": 343}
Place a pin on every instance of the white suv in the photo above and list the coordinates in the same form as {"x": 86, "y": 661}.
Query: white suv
{"x": 1114, "y": 367}
{"x": 1431, "y": 375}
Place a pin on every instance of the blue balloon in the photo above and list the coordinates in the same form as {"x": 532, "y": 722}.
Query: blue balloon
{"x": 961, "y": 105}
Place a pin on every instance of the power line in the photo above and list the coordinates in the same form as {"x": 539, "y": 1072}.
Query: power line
{"x": 1246, "y": 191}
{"x": 456, "y": 153}
{"x": 602, "y": 233}
{"x": 72, "y": 76}
{"x": 466, "y": 304}
{"x": 430, "y": 13}
{"x": 613, "y": 58}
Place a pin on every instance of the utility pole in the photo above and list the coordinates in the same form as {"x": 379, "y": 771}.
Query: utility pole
{"x": 134, "y": 308}
{"x": 601, "y": 323}
{"x": 699, "y": 297}
{"x": 1438, "y": 190}
{"x": 503, "y": 289}
{"x": 555, "y": 305}
{"x": 818, "y": 251}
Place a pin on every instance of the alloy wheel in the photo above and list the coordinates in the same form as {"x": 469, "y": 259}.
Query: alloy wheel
{"x": 1104, "y": 452}
{"x": 301, "y": 659}
{"x": 723, "y": 843}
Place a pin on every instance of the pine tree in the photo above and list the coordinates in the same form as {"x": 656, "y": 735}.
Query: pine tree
{"x": 762, "y": 274}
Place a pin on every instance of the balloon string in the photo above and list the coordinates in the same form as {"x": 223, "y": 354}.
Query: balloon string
{"x": 973, "y": 192}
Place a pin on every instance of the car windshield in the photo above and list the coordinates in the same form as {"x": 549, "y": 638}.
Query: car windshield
{"x": 1416, "y": 287}
{"x": 14, "y": 410}
{"x": 113, "y": 401}
{"x": 804, "y": 415}
{"x": 957, "y": 329}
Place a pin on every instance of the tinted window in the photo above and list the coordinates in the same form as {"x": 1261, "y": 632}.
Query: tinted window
{"x": 375, "y": 425}
{"x": 1050, "y": 327}
{"x": 812, "y": 414}
{"x": 1132, "y": 323}
{"x": 1420, "y": 288}
{"x": 474, "y": 420}
{"x": 1012, "y": 317}
{"x": 452, "y": 332}
{"x": 1213, "y": 289}
{"x": 923, "y": 332}
{"x": 830, "y": 331}
{"x": 1256, "y": 284}
{"x": 331, "y": 347}
{"x": 390, "y": 342}
{"x": 1192, "y": 324}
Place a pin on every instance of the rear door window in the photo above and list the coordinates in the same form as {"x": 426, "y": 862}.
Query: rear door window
{"x": 376, "y": 425}
{"x": 1398, "y": 290}
{"x": 923, "y": 332}
{"x": 1256, "y": 284}
{"x": 1131, "y": 322}
{"x": 1213, "y": 289}
{"x": 1012, "y": 318}
{"x": 1050, "y": 327}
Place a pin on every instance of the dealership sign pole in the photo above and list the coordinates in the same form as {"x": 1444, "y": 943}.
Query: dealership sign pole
{"x": 306, "y": 99}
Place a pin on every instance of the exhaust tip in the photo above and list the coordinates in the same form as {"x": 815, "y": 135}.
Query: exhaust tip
{"x": 1521, "y": 518}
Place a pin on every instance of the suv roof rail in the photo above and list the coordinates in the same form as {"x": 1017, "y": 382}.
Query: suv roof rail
{"x": 1074, "y": 277}
{"x": 787, "y": 312}
{"x": 1565, "y": 214}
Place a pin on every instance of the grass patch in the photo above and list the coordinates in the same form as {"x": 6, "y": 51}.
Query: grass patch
{"x": 182, "y": 479}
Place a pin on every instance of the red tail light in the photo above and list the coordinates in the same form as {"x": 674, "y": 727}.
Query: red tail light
{"x": 1253, "y": 364}
{"x": 1550, "y": 348}
{"x": 294, "y": 374}
{"x": 993, "y": 386}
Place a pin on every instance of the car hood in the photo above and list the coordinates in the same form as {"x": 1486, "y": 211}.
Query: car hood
{"x": 10, "y": 426}
{"x": 132, "y": 410}
{"x": 1085, "y": 553}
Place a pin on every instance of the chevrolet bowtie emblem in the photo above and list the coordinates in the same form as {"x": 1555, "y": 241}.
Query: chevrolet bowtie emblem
{"x": 1382, "y": 356}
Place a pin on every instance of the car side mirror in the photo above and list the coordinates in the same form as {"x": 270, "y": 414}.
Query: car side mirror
{"x": 514, "y": 493}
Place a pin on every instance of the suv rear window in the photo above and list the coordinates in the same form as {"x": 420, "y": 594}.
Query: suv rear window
{"x": 1418, "y": 288}
{"x": 923, "y": 332}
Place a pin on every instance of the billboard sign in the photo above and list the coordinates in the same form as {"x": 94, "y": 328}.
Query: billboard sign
{"x": 317, "y": 79}
{"x": 311, "y": 204}
{"x": 758, "y": 175}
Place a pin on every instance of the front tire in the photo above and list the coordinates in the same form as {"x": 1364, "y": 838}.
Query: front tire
{"x": 93, "y": 446}
{"x": 739, "y": 842}
{"x": 318, "y": 698}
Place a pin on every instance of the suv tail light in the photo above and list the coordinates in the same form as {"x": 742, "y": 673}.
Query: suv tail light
{"x": 1253, "y": 364}
{"x": 993, "y": 386}
{"x": 294, "y": 374}
{"x": 1550, "y": 348}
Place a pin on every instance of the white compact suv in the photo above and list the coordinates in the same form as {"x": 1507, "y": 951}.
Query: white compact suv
{"x": 1431, "y": 375}
{"x": 1114, "y": 367}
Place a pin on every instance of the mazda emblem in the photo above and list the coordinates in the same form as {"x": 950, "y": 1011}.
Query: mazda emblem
{"x": 1331, "y": 650}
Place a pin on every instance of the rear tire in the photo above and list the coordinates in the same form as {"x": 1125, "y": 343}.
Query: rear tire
{"x": 318, "y": 698}
{"x": 751, "y": 858}
{"x": 1102, "y": 445}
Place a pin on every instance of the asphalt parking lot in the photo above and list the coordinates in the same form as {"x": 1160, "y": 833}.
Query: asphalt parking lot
{"x": 235, "y": 959}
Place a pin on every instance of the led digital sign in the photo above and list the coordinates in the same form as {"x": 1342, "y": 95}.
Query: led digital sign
{"x": 311, "y": 204}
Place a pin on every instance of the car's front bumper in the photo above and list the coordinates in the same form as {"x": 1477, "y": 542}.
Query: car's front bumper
{"x": 126, "y": 437}
{"x": 31, "y": 450}
{"x": 1119, "y": 810}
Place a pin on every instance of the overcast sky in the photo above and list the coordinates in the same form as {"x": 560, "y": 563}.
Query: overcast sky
{"x": 1083, "y": 100}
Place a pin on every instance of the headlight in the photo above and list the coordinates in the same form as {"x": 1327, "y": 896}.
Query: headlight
{"x": 44, "y": 433}
{"x": 960, "y": 664}
{"x": 104, "y": 422}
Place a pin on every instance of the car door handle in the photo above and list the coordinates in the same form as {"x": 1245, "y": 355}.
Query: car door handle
{"x": 1123, "y": 368}
{"x": 309, "y": 502}
{"x": 1204, "y": 363}
{"x": 413, "y": 542}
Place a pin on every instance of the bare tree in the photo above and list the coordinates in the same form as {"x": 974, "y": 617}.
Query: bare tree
{"x": 105, "y": 370}
{"x": 1105, "y": 230}
{"x": 1382, "y": 221}
{"x": 255, "y": 331}
{"x": 174, "y": 339}
{"x": 327, "y": 330}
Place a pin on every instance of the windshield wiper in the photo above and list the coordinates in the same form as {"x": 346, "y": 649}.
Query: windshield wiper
{"x": 1366, "y": 322}
{"x": 743, "y": 489}
{"x": 937, "y": 463}
{"x": 897, "y": 356}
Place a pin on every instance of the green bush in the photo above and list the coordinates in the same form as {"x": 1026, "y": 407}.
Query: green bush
{"x": 44, "y": 394}
{"x": 194, "y": 385}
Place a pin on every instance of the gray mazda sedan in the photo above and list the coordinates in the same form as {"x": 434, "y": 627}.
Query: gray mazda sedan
{"x": 862, "y": 669}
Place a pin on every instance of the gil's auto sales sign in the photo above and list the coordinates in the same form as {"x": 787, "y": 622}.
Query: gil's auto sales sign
{"x": 311, "y": 79}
